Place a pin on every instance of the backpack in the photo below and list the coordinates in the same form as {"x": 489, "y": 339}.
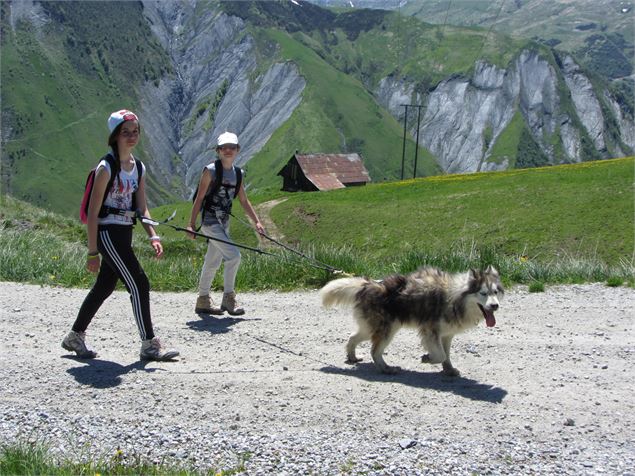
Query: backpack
{"x": 208, "y": 201}
{"x": 88, "y": 190}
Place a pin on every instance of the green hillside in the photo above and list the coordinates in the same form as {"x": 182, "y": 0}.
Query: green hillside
{"x": 338, "y": 119}
{"x": 599, "y": 32}
{"x": 58, "y": 87}
{"x": 61, "y": 79}
{"x": 547, "y": 213}
{"x": 558, "y": 224}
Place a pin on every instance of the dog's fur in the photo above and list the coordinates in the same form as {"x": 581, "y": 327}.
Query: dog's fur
{"x": 438, "y": 304}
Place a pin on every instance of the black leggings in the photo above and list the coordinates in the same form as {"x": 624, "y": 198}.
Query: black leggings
{"x": 118, "y": 262}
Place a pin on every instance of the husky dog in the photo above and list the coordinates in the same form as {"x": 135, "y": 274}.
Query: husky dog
{"x": 438, "y": 304}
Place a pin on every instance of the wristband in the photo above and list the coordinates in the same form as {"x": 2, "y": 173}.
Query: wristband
{"x": 92, "y": 255}
{"x": 155, "y": 238}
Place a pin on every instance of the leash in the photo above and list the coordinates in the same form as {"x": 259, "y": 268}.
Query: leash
{"x": 150, "y": 221}
{"x": 314, "y": 262}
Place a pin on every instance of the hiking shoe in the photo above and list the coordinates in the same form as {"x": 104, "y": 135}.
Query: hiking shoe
{"x": 152, "y": 349}
{"x": 75, "y": 342}
{"x": 230, "y": 305}
{"x": 205, "y": 305}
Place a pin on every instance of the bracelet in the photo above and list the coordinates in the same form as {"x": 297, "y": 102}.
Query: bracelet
{"x": 155, "y": 238}
{"x": 92, "y": 255}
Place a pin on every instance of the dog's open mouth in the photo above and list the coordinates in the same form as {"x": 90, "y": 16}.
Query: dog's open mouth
{"x": 490, "y": 320}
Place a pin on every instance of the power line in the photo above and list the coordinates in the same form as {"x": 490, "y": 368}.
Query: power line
{"x": 403, "y": 152}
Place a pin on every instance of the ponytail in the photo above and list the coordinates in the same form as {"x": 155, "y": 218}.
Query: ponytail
{"x": 112, "y": 142}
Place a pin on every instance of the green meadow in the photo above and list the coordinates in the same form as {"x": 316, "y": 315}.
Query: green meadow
{"x": 561, "y": 224}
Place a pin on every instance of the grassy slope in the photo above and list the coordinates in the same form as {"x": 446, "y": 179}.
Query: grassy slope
{"x": 64, "y": 86}
{"x": 569, "y": 221}
{"x": 545, "y": 213}
{"x": 59, "y": 92}
{"x": 337, "y": 115}
{"x": 432, "y": 53}
{"x": 61, "y": 128}
{"x": 546, "y": 19}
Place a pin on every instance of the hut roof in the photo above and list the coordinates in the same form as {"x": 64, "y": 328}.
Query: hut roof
{"x": 330, "y": 171}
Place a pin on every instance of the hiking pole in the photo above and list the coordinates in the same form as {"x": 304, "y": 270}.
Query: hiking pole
{"x": 319, "y": 265}
{"x": 150, "y": 221}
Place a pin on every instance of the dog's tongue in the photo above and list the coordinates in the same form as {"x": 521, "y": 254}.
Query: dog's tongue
{"x": 490, "y": 320}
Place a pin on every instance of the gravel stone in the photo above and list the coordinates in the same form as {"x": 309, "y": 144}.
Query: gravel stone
{"x": 546, "y": 391}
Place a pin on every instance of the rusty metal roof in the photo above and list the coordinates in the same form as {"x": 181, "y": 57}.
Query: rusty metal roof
{"x": 331, "y": 171}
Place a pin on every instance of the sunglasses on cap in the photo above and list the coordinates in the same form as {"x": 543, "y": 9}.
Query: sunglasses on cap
{"x": 227, "y": 146}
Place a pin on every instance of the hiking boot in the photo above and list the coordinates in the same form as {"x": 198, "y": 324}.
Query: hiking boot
{"x": 75, "y": 342}
{"x": 230, "y": 305}
{"x": 152, "y": 349}
{"x": 205, "y": 305}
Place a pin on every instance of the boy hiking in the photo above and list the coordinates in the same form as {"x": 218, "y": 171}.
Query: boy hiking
{"x": 220, "y": 183}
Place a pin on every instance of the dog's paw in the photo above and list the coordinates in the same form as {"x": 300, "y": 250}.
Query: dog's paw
{"x": 451, "y": 372}
{"x": 353, "y": 361}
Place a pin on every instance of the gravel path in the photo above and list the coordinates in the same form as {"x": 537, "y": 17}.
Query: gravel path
{"x": 548, "y": 391}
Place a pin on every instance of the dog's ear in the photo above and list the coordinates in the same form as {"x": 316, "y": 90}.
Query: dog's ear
{"x": 491, "y": 270}
{"x": 473, "y": 274}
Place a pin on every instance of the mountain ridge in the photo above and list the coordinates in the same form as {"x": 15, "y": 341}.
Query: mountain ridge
{"x": 217, "y": 69}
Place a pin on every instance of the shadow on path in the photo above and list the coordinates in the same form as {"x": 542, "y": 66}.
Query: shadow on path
{"x": 215, "y": 324}
{"x": 460, "y": 386}
{"x": 99, "y": 373}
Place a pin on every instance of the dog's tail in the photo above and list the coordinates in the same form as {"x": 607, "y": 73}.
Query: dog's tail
{"x": 342, "y": 292}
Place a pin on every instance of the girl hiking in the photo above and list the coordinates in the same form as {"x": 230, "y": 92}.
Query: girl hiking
{"x": 118, "y": 193}
{"x": 220, "y": 183}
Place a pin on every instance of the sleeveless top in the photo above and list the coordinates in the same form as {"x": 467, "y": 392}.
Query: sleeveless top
{"x": 120, "y": 195}
{"x": 222, "y": 199}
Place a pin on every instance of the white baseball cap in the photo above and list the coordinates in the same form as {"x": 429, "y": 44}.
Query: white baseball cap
{"x": 227, "y": 138}
{"x": 118, "y": 117}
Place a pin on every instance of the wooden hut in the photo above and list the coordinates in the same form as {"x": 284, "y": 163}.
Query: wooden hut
{"x": 313, "y": 172}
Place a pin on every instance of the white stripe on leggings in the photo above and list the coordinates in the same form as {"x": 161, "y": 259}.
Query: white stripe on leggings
{"x": 134, "y": 291}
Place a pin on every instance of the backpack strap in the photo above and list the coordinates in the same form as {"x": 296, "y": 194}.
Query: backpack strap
{"x": 239, "y": 179}
{"x": 114, "y": 171}
{"x": 218, "y": 177}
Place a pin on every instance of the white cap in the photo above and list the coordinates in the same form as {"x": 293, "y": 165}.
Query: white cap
{"x": 227, "y": 138}
{"x": 118, "y": 117}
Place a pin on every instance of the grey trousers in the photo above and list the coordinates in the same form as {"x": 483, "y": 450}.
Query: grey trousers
{"x": 218, "y": 253}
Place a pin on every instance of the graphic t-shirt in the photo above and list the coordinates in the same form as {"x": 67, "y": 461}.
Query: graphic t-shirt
{"x": 224, "y": 196}
{"x": 120, "y": 195}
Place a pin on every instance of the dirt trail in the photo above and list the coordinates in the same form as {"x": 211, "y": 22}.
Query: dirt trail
{"x": 549, "y": 390}
{"x": 263, "y": 210}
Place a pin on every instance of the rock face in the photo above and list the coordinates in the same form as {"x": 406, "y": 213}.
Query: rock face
{"x": 586, "y": 103}
{"x": 460, "y": 113}
{"x": 223, "y": 80}
{"x": 218, "y": 86}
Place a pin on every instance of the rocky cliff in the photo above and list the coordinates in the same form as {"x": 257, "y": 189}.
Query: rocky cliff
{"x": 540, "y": 107}
{"x": 219, "y": 85}
{"x": 464, "y": 117}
